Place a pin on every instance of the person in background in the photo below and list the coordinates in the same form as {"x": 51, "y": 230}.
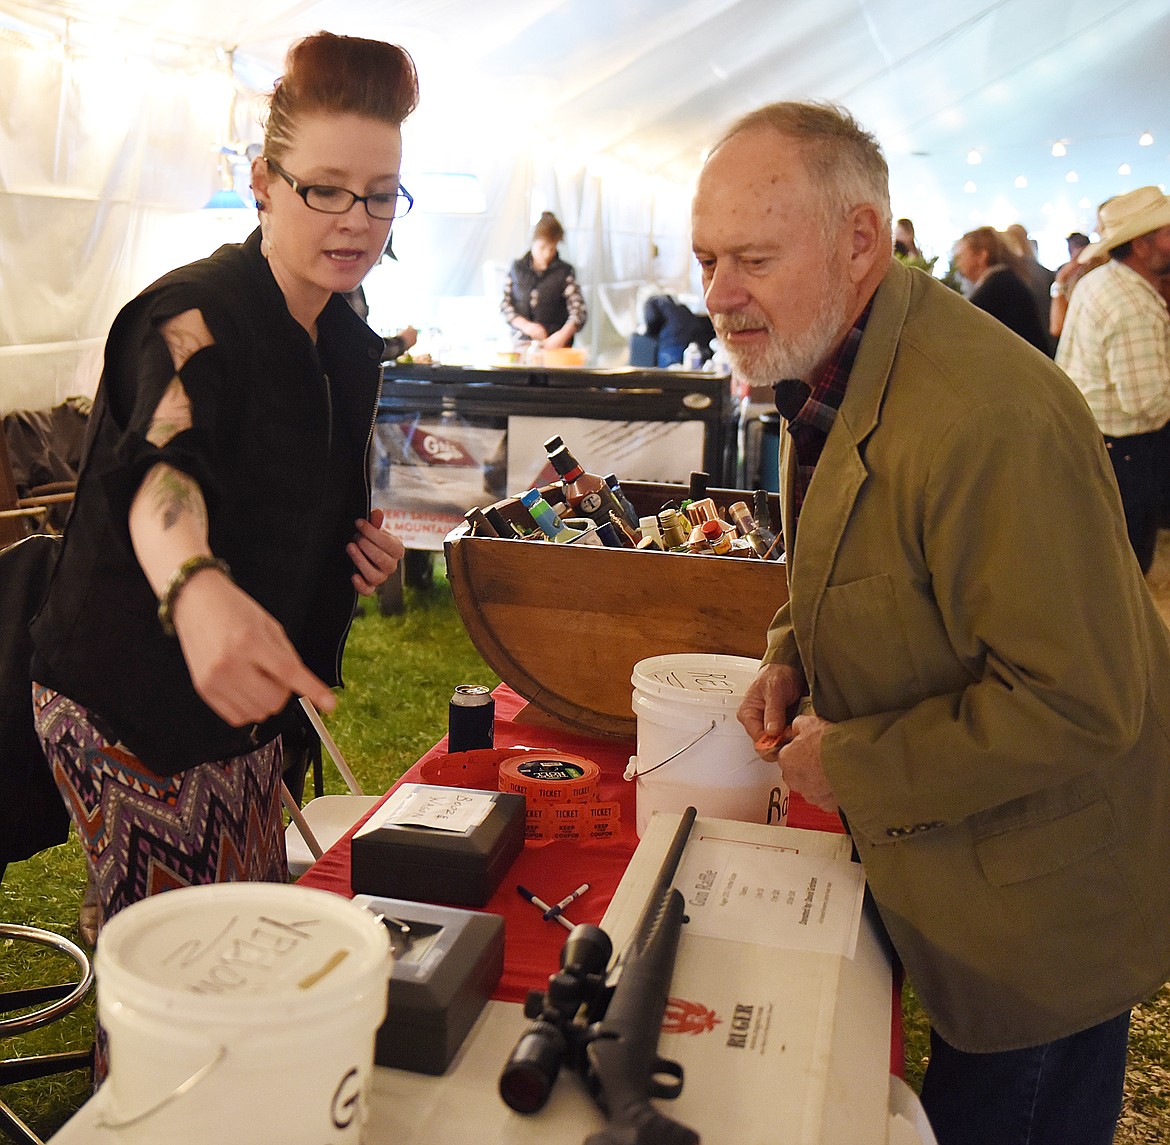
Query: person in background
{"x": 1067, "y": 276}
{"x": 982, "y": 680}
{"x": 222, "y": 527}
{"x": 675, "y": 326}
{"x": 905, "y": 244}
{"x": 1034, "y": 275}
{"x": 982, "y": 259}
{"x": 1115, "y": 346}
{"x": 542, "y": 301}
{"x": 906, "y": 248}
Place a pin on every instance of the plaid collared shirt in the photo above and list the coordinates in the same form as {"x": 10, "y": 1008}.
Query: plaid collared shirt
{"x": 810, "y": 411}
{"x": 1116, "y": 348}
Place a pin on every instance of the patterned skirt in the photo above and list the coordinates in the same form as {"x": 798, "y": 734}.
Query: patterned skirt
{"x": 145, "y": 833}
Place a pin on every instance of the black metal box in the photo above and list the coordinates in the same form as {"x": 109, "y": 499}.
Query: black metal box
{"x": 426, "y": 865}
{"x": 446, "y": 965}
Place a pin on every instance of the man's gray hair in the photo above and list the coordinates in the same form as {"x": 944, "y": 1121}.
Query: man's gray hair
{"x": 844, "y": 160}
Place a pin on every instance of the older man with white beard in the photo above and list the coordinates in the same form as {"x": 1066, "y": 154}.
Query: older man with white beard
{"x": 982, "y": 679}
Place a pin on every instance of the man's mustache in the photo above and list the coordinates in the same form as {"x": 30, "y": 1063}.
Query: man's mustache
{"x": 730, "y": 323}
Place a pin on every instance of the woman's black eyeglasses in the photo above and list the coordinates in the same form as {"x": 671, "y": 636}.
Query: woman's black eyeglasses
{"x": 337, "y": 200}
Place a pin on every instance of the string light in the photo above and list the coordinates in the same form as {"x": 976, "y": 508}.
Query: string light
{"x": 1059, "y": 149}
{"x": 1072, "y": 177}
{"x": 1145, "y": 139}
{"x": 1021, "y": 181}
{"x": 974, "y": 158}
{"x": 1125, "y": 169}
{"x": 970, "y": 187}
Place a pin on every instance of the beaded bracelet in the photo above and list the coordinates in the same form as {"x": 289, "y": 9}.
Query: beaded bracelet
{"x": 185, "y": 571}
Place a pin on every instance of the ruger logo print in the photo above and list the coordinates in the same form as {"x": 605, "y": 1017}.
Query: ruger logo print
{"x": 685, "y": 1017}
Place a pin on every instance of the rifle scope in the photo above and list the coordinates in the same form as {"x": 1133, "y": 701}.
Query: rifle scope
{"x": 528, "y": 1077}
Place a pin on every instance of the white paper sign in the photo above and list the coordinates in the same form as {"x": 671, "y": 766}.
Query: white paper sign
{"x": 771, "y": 896}
{"x": 441, "y": 808}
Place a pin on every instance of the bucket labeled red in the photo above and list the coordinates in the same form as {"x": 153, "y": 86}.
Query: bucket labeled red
{"x": 692, "y": 751}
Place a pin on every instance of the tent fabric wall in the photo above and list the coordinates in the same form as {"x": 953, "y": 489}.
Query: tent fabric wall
{"x": 596, "y": 109}
{"x": 105, "y": 164}
{"x": 101, "y": 165}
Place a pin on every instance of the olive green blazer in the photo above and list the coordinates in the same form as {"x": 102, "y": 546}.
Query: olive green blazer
{"x": 969, "y": 614}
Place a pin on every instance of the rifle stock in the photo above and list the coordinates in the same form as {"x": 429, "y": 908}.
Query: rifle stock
{"x": 623, "y": 1067}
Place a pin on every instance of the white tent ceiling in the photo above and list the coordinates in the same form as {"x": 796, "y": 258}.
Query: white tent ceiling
{"x": 633, "y": 90}
{"x": 650, "y": 82}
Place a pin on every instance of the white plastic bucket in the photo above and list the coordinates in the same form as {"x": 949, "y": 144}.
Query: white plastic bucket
{"x": 240, "y": 1013}
{"x": 692, "y": 751}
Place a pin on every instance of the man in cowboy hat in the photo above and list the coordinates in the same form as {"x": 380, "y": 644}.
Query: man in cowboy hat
{"x": 1115, "y": 346}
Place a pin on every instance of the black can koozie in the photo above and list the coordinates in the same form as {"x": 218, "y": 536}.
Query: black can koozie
{"x": 471, "y": 718}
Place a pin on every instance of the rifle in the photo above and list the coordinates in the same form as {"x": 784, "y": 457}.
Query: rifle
{"x": 609, "y": 1033}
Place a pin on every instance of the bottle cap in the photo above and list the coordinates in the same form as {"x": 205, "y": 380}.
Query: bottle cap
{"x": 562, "y": 460}
{"x": 529, "y": 498}
{"x": 703, "y": 510}
{"x": 712, "y": 530}
{"x": 553, "y": 442}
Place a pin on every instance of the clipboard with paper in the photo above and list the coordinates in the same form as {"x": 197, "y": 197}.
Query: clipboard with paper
{"x": 782, "y": 987}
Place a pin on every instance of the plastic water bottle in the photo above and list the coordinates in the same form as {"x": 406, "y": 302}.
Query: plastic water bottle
{"x": 692, "y": 357}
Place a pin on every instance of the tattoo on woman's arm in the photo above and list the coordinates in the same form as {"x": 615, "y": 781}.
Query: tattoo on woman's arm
{"x": 176, "y": 496}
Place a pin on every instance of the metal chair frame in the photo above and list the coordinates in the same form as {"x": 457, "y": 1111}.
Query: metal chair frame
{"x": 58, "y": 1000}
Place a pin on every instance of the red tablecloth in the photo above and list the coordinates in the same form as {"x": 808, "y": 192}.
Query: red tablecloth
{"x": 549, "y": 869}
{"x": 532, "y": 947}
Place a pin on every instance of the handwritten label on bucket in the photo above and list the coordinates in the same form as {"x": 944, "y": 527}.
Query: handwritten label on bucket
{"x": 702, "y": 682}
{"x": 253, "y": 956}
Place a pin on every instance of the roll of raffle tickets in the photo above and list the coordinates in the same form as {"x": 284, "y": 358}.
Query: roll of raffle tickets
{"x": 562, "y": 796}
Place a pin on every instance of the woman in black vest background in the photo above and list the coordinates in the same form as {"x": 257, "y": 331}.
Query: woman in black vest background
{"x": 542, "y": 300}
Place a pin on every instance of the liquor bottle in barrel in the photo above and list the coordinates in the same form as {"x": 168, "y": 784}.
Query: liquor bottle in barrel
{"x": 615, "y": 486}
{"x": 479, "y": 524}
{"x": 546, "y": 520}
{"x": 587, "y": 494}
{"x": 471, "y": 718}
{"x": 503, "y": 527}
{"x": 759, "y": 536}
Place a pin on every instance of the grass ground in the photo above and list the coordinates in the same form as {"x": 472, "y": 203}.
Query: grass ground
{"x": 400, "y": 672}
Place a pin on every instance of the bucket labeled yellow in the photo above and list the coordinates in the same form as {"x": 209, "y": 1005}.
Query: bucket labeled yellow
{"x": 692, "y": 751}
{"x": 240, "y": 1013}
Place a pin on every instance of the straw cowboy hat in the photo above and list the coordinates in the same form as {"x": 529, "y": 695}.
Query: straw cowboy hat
{"x": 1126, "y": 217}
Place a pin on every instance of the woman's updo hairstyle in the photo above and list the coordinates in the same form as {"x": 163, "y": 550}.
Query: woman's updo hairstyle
{"x": 339, "y": 75}
{"x": 548, "y": 227}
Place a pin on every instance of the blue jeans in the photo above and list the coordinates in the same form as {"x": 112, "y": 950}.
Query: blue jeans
{"x": 1066, "y": 1092}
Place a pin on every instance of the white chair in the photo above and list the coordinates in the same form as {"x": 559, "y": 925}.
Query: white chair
{"x": 908, "y": 1124}
{"x": 322, "y": 821}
